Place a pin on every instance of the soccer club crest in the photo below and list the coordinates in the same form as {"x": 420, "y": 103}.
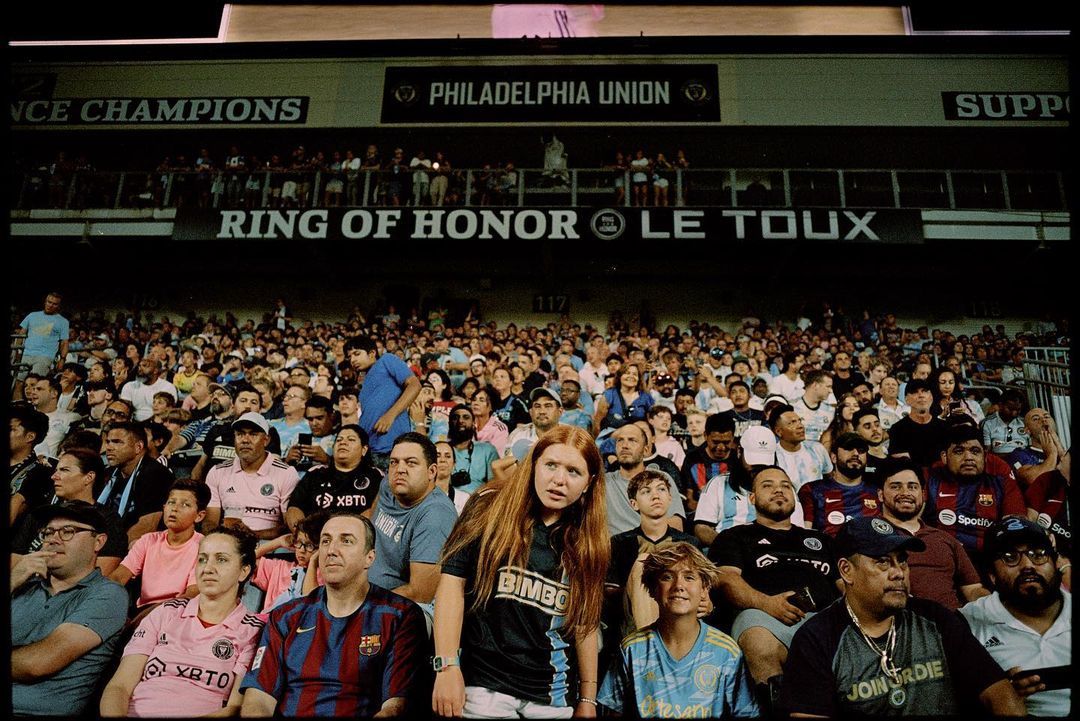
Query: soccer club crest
{"x": 986, "y": 499}
{"x": 370, "y": 645}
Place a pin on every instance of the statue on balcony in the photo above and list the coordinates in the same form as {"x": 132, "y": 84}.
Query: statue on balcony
{"x": 555, "y": 172}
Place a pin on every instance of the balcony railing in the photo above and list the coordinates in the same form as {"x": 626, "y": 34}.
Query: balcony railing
{"x": 757, "y": 187}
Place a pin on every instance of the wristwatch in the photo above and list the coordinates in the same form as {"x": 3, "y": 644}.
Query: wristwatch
{"x": 441, "y": 663}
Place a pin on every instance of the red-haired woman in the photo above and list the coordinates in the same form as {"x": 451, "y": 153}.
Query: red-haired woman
{"x": 517, "y": 611}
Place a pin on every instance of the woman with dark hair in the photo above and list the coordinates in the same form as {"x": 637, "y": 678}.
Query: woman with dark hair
{"x": 626, "y": 401}
{"x": 949, "y": 397}
{"x": 488, "y": 427}
{"x": 544, "y": 527}
{"x": 213, "y": 632}
{"x": 846, "y": 407}
{"x": 468, "y": 389}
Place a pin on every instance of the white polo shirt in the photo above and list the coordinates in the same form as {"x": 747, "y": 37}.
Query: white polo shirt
{"x": 1011, "y": 643}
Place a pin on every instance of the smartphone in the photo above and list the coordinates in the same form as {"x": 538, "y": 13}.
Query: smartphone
{"x": 803, "y": 600}
{"x": 1054, "y": 677}
{"x": 304, "y": 439}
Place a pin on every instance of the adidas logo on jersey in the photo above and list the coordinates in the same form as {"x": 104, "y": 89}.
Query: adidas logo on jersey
{"x": 764, "y": 541}
{"x": 230, "y": 489}
{"x": 993, "y": 642}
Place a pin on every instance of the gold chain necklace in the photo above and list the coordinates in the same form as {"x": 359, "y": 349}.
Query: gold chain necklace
{"x": 887, "y": 666}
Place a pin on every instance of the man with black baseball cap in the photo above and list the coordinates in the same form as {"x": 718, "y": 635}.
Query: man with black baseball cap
{"x": 919, "y": 436}
{"x": 877, "y": 651}
{"x": 66, "y": 617}
{"x": 845, "y": 493}
{"x": 1026, "y": 624}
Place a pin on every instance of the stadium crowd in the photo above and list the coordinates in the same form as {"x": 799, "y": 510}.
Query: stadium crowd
{"x": 332, "y": 178}
{"x": 401, "y": 515}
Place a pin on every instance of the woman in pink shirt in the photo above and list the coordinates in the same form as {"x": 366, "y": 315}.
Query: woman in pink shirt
{"x": 188, "y": 655}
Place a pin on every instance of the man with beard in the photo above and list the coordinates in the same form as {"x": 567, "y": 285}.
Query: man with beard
{"x": 631, "y": 442}
{"x": 775, "y": 575}
{"x": 573, "y": 412}
{"x": 472, "y": 458}
{"x": 348, "y": 483}
{"x": 833, "y": 501}
{"x": 545, "y": 409}
{"x": 943, "y": 572}
{"x": 963, "y": 499}
{"x": 1026, "y": 624}
{"x": 878, "y": 652}
{"x": 140, "y": 392}
{"x": 868, "y": 426}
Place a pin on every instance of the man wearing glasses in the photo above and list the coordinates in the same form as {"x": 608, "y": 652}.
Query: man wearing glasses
{"x": 65, "y": 616}
{"x": 1026, "y": 624}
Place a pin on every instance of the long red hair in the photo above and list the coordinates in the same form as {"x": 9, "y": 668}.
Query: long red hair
{"x": 502, "y": 517}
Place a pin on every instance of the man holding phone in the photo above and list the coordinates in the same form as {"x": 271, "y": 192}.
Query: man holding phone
{"x": 775, "y": 574}
{"x": 1026, "y": 624}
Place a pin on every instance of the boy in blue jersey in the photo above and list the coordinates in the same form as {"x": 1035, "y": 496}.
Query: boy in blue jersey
{"x": 679, "y": 666}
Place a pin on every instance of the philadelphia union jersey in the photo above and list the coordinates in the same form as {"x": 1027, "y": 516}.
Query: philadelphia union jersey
{"x": 711, "y": 681}
{"x": 516, "y": 644}
{"x": 831, "y": 670}
{"x": 316, "y": 664}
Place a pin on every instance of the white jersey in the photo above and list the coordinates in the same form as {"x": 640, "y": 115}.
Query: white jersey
{"x": 781, "y": 385}
{"x": 1012, "y": 643}
{"x": 810, "y": 463}
{"x": 545, "y": 21}
{"x": 816, "y": 420}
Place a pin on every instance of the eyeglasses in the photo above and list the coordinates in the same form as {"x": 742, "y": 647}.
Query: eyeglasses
{"x": 115, "y": 413}
{"x": 66, "y": 533}
{"x": 304, "y": 546}
{"x": 1037, "y": 556}
{"x": 294, "y": 396}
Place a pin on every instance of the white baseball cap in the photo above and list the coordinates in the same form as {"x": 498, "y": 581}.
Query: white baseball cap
{"x": 251, "y": 418}
{"x": 759, "y": 446}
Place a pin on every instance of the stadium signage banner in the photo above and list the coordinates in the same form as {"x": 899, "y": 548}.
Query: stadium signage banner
{"x": 538, "y": 93}
{"x": 1006, "y": 106}
{"x": 160, "y": 111}
{"x": 562, "y": 224}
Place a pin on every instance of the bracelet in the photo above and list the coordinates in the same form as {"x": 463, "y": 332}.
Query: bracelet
{"x": 1067, "y": 565}
{"x": 584, "y": 699}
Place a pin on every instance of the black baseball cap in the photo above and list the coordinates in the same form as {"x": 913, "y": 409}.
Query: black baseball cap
{"x": 851, "y": 442}
{"x": 917, "y": 384}
{"x": 1010, "y": 530}
{"x": 873, "y": 537}
{"x": 78, "y": 511}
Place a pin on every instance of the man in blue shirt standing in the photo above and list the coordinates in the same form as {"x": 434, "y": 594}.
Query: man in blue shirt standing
{"x": 679, "y": 666}
{"x": 46, "y": 334}
{"x": 389, "y": 388}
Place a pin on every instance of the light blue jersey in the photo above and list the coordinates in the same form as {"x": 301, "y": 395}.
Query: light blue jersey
{"x": 711, "y": 681}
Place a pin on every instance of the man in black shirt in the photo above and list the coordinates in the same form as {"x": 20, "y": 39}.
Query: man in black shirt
{"x": 920, "y": 436}
{"x": 776, "y": 574}
{"x": 347, "y": 483}
{"x": 30, "y": 479}
{"x": 878, "y": 651}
